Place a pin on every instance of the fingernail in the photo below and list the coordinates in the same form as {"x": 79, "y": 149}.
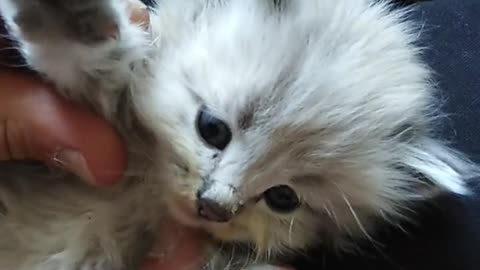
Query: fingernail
{"x": 75, "y": 163}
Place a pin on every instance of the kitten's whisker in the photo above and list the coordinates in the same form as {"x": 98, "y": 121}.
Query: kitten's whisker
{"x": 14, "y": 65}
{"x": 327, "y": 211}
{"x": 357, "y": 220}
{"x": 269, "y": 253}
{"x": 290, "y": 229}
{"x": 232, "y": 257}
{"x": 334, "y": 214}
{"x": 155, "y": 40}
{"x": 11, "y": 48}
{"x": 218, "y": 252}
{"x": 400, "y": 227}
{"x": 374, "y": 243}
{"x": 254, "y": 178}
{"x": 257, "y": 257}
{"x": 246, "y": 262}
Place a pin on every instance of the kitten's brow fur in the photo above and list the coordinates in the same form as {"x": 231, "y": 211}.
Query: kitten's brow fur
{"x": 328, "y": 97}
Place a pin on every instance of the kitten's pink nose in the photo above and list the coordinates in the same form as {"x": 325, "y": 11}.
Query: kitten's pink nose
{"x": 213, "y": 211}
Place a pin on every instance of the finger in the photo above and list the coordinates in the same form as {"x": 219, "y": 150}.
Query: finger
{"x": 37, "y": 124}
{"x": 177, "y": 248}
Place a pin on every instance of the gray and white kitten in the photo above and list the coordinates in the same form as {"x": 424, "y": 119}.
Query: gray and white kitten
{"x": 276, "y": 127}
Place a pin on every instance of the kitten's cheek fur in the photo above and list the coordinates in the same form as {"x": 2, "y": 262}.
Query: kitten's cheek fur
{"x": 254, "y": 225}
{"x": 250, "y": 226}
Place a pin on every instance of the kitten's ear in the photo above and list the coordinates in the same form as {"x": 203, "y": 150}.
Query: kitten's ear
{"x": 433, "y": 161}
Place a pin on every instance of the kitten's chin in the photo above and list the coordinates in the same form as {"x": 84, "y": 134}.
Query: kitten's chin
{"x": 184, "y": 211}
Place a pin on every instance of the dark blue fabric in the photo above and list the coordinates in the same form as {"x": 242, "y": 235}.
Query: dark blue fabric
{"x": 452, "y": 34}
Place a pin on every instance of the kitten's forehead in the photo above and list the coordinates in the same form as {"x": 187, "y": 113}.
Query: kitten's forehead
{"x": 237, "y": 62}
{"x": 303, "y": 68}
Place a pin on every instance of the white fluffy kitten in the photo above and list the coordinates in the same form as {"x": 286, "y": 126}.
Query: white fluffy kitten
{"x": 276, "y": 127}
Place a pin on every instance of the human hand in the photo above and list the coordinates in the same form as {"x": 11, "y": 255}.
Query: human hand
{"x": 36, "y": 124}
{"x": 178, "y": 247}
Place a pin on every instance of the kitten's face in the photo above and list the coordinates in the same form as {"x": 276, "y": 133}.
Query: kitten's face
{"x": 284, "y": 131}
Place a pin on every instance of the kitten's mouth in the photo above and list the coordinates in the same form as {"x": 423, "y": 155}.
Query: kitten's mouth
{"x": 185, "y": 211}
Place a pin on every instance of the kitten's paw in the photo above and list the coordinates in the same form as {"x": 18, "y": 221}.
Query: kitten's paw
{"x": 85, "y": 21}
{"x": 92, "y": 20}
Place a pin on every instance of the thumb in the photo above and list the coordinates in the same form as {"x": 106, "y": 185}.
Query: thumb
{"x": 37, "y": 124}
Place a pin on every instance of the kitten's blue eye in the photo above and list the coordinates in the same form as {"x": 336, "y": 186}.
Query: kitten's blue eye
{"x": 282, "y": 199}
{"x": 213, "y": 130}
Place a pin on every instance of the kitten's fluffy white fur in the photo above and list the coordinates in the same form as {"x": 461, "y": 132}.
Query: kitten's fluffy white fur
{"x": 338, "y": 103}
